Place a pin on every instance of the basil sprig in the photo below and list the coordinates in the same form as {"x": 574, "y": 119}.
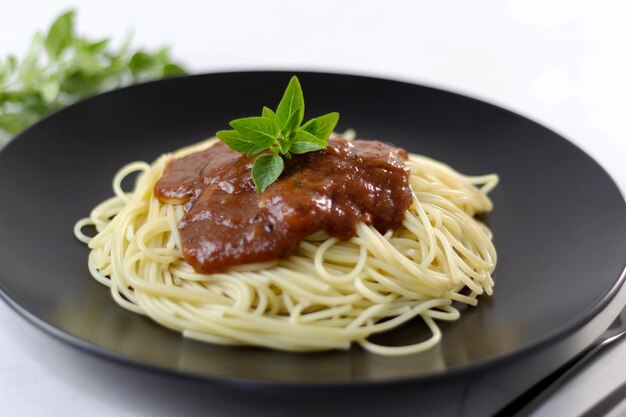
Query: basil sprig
{"x": 280, "y": 133}
{"x": 62, "y": 67}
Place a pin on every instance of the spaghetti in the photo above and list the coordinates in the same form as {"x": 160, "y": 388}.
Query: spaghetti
{"x": 327, "y": 295}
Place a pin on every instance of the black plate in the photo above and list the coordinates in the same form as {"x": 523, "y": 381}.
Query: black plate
{"x": 559, "y": 222}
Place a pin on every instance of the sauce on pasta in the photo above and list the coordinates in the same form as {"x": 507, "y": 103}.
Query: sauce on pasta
{"x": 227, "y": 223}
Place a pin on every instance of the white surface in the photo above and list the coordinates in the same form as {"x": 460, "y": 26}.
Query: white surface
{"x": 561, "y": 63}
{"x": 594, "y": 383}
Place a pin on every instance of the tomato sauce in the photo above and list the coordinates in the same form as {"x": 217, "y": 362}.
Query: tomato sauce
{"x": 227, "y": 223}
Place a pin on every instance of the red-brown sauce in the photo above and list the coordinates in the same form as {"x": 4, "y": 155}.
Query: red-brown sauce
{"x": 227, "y": 223}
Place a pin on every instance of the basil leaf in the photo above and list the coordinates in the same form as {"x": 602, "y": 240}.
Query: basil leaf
{"x": 292, "y": 102}
{"x": 269, "y": 113}
{"x": 50, "y": 91}
{"x": 12, "y": 123}
{"x": 7, "y": 67}
{"x": 237, "y": 142}
{"x": 304, "y": 142}
{"x": 304, "y": 136}
{"x": 266, "y": 170}
{"x": 32, "y": 56}
{"x": 305, "y": 147}
{"x": 97, "y": 47}
{"x": 87, "y": 62}
{"x": 321, "y": 127}
{"x": 292, "y": 123}
{"x": 259, "y": 130}
{"x": 60, "y": 35}
{"x": 171, "y": 70}
{"x": 80, "y": 84}
{"x": 140, "y": 62}
{"x": 284, "y": 146}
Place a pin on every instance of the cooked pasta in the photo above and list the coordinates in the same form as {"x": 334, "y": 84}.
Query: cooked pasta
{"x": 328, "y": 295}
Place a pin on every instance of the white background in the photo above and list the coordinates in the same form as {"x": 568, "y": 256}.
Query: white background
{"x": 561, "y": 63}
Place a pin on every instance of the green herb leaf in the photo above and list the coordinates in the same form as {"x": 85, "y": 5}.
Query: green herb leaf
{"x": 60, "y": 35}
{"x": 284, "y": 146}
{"x": 259, "y": 130}
{"x": 140, "y": 62}
{"x": 29, "y": 63}
{"x": 292, "y": 102}
{"x": 98, "y": 47}
{"x": 292, "y": 123}
{"x": 87, "y": 62}
{"x": 305, "y": 147}
{"x": 7, "y": 67}
{"x": 170, "y": 70}
{"x": 304, "y": 136}
{"x": 269, "y": 113}
{"x": 304, "y": 142}
{"x": 11, "y": 122}
{"x": 50, "y": 91}
{"x": 79, "y": 84}
{"x": 237, "y": 142}
{"x": 321, "y": 127}
{"x": 266, "y": 170}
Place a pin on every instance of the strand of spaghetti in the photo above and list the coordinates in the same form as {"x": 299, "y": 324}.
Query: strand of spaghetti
{"x": 319, "y": 263}
{"x": 406, "y": 350}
